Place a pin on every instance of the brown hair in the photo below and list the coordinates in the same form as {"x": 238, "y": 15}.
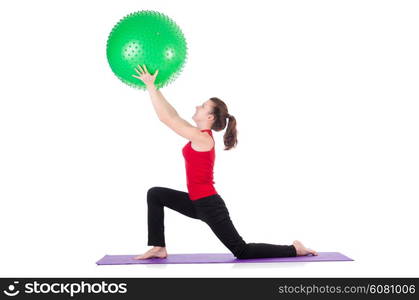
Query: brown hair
{"x": 221, "y": 115}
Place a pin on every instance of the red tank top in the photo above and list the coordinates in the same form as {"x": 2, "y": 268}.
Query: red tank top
{"x": 199, "y": 170}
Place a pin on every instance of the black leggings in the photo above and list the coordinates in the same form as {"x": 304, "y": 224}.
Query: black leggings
{"x": 211, "y": 210}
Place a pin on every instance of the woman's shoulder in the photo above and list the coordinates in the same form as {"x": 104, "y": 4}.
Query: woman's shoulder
{"x": 205, "y": 144}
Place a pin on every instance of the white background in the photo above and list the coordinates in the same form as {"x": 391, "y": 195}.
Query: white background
{"x": 326, "y": 99}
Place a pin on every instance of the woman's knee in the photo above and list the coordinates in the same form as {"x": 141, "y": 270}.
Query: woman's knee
{"x": 153, "y": 193}
{"x": 240, "y": 252}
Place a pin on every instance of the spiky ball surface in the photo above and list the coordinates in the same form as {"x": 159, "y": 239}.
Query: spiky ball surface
{"x": 150, "y": 38}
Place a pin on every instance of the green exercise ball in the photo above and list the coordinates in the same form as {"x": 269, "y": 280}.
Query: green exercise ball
{"x": 146, "y": 38}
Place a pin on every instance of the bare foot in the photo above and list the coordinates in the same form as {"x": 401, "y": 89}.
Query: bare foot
{"x": 159, "y": 252}
{"x": 301, "y": 250}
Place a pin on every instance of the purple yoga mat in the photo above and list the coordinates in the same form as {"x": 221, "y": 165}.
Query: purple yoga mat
{"x": 208, "y": 258}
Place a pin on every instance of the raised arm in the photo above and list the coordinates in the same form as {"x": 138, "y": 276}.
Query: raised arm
{"x": 163, "y": 108}
{"x": 166, "y": 113}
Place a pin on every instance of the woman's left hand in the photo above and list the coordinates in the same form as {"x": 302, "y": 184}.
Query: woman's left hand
{"x": 145, "y": 76}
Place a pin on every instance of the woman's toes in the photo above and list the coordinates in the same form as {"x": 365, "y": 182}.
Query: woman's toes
{"x": 312, "y": 252}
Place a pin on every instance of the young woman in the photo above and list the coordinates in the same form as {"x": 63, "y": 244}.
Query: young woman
{"x": 202, "y": 200}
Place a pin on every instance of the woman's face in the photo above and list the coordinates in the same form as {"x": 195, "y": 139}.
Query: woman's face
{"x": 202, "y": 111}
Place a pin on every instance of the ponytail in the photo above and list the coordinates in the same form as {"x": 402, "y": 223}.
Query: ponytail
{"x": 221, "y": 116}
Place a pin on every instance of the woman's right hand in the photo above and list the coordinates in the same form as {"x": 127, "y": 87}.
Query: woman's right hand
{"x": 145, "y": 76}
